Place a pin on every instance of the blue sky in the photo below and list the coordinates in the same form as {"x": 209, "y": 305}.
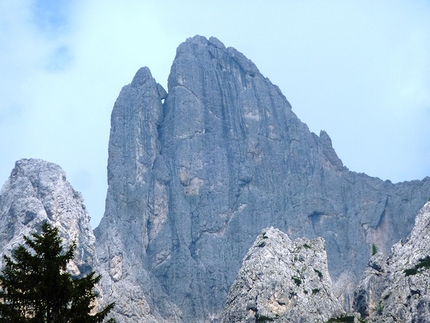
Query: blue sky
{"x": 358, "y": 69}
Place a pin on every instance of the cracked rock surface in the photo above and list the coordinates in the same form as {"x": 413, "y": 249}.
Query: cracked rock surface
{"x": 37, "y": 191}
{"x": 282, "y": 281}
{"x": 194, "y": 174}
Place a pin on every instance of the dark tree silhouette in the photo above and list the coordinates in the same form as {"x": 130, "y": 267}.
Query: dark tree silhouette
{"x": 35, "y": 286}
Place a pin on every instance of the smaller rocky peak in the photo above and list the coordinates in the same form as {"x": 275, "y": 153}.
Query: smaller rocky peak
{"x": 143, "y": 85}
{"x": 36, "y": 172}
{"x": 325, "y": 139}
{"x": 401, "y": 278}
{"x": 141, "y": 77}
{"x": 282, "y": 281}
{"x": 37, "y": 191}
{"x": 329, "y": 151}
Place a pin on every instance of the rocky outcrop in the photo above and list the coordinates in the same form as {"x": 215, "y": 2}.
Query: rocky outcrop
{"x": 37, "y": 191}
{"x": 282, "y": 281}
{"x": 397, "y": 288}
{"x": 193, "y": 179}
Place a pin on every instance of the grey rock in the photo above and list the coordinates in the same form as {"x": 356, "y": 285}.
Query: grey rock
{"x": 37, "y": 191}
{"x": 389, "y": 292}
{"x": 135, "y": 203}
{"x": 161, "y": 92}
{"x": 193, "y": 180}
{"x": 283, "y": 281}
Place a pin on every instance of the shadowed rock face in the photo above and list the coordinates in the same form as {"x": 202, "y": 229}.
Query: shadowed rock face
{"x": 398, "y": 287}
{"x": 37, "y": 191}
{"x": 194, "y": 179}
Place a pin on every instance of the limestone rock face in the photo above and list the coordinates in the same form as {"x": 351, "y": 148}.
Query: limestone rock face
{"x": 136, "y": 203}
{"x": 397, "y": 288}
{"x": 37, "y": 191}
{"x": 193, "y": 180}
{"x": 282, "y": 281}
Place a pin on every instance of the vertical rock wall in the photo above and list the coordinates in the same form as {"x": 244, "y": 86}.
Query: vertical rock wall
{"x": 194, "y": 179}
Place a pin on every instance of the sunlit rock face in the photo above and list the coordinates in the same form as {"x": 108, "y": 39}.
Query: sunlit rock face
{"x": 37, "y": 191}
{"x": 396, "y": 288}
{"x": 283, "y": 281}
{"x": 194, "y": 176}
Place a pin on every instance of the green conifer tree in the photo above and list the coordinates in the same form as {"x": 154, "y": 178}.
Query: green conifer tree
{"x": 35, "y": 286}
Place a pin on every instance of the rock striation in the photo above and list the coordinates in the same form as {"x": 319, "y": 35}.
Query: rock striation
{"x": 195, "y": 174}
{"x": 397, "y": 288}
{"x": 37, "y": 191}
{"x": 282, "y": 281}
{"x": 136, "y": 204}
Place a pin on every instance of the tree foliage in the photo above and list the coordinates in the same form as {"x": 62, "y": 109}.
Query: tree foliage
{"x": 35, "y": 286}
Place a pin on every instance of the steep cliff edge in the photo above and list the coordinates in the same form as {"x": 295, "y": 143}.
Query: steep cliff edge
{"x": 135, "y": 204}
{"x": 282, "y": 281}
{"x": 194, "y": 179}
{"x": 397, "y": 288}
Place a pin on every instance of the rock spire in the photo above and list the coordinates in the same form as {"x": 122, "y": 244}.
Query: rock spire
{"x": 193, "y": 180}
{"x": 283, "y": 281}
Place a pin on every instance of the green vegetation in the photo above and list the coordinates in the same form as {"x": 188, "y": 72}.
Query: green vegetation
{"x": 315, "y": 291}
{"x": 263, "y": 319}
{"x": 374, "y": 250}
{"x": 343, "y": 318}
{"x": 422, "y": 264}
{"x": 320, "y": 275}
{"x": 297, "y": 280}
{"x": 35, "y": 286}
{"x": 380, "y": 307}
{"x": 386, "y": 296}
{"x": 410, "y": 272}
{"x": 360, "y": 320}
{"x": 307, "y": 246}
{"x": 261, "y": 244}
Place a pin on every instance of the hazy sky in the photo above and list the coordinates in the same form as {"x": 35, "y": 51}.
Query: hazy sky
{"x": 358, "y": 69}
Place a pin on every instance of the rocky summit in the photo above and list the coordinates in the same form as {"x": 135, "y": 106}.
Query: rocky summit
{"x": 194, "y": 174}
{"x": 283, "y": 281}
{"x": 37, "y": 191}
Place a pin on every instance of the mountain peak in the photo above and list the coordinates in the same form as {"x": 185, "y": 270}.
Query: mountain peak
{"x": 194, "y": 179}
{"x": 282, "y": 281}
{"x": 37, "y": 191}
